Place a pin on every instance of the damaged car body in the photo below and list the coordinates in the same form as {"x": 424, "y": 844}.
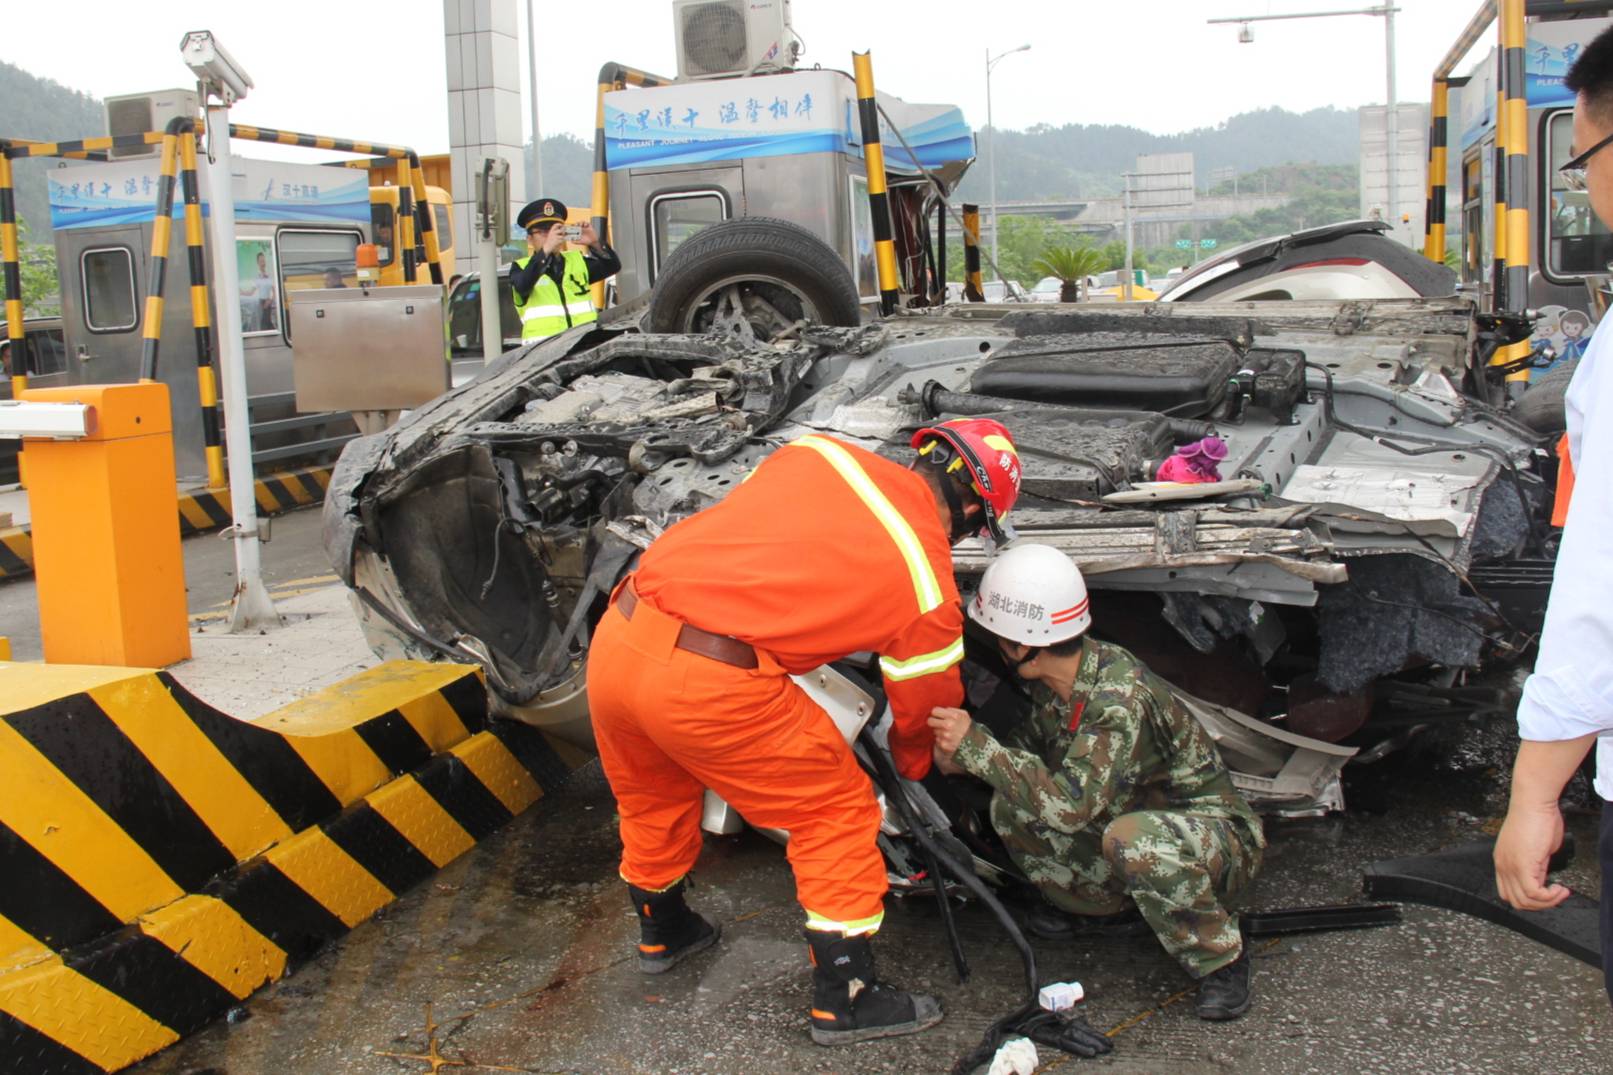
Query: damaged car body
{"x": 1323, "y": 599}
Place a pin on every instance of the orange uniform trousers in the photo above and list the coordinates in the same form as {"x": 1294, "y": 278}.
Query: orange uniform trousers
{"x": 670, "y": 724}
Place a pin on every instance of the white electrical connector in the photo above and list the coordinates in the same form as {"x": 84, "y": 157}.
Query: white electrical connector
{"x": 1016, "y": 1057}
{"x": 1060, "y": 996}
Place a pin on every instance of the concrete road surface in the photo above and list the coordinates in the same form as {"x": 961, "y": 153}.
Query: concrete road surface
{"x": 518, "y": 958}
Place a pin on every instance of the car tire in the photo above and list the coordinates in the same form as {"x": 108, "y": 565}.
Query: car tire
{"x": 1542, "y": 407}
{"x": 754, "y": 271}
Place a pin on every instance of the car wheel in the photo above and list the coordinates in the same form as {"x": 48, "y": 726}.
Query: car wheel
{"x": 754, "y": 277}
{"x": 1542, "y": 407}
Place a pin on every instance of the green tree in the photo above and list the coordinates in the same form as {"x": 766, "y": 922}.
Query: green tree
{"x": 41, "y": 291}
{"x": 1072, "y": 265}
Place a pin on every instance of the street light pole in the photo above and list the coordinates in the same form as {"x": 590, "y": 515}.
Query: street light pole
{"x": 1386, "y": 12}
{"x": 991, "y": 154}
{"x": 534, "y": 187}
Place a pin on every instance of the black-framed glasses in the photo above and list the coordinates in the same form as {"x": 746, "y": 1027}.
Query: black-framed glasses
{"x": 1573, "y": 172}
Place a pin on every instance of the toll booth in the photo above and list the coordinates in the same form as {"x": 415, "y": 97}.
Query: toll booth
{"x": 786, "y": 145}
{"x": 298, "y": 227}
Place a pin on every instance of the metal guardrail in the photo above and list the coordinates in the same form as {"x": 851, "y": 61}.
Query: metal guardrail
{"x": 283, "y": 425}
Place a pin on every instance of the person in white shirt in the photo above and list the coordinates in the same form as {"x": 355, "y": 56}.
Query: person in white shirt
{"x": 1567, "y": 704}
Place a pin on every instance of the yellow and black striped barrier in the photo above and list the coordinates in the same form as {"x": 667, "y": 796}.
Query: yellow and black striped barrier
{"x": 612, "y": 76}
{"x": 163, "y": 860}
{"x": 178, "y": 139}
{"x": 1438, "y": 162}
{"x": 413, "y": 209}
{"x": 862, "y": 65}
{"x": 200, "y": 511}
{"x": 1511, "y": 269}
{"x": 10, "y": 256}
{"x": 201, "y": 318}
{"x": 973, "y": 287}
{"x": 203, "y": 510}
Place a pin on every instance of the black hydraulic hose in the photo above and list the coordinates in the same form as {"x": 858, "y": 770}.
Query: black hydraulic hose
{"x": 1071, "y": 1034}
{"x": 897, "y": 794}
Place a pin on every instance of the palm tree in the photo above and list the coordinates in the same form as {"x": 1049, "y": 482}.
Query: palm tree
{"x": 1072, "y": 265}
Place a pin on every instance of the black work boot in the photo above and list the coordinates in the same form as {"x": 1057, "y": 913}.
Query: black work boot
{"x": 1052, "y": 924}
{"x": 1224, "y": 993}
{"x": 849, "y": 1004}
{"x": 668, "y": 929}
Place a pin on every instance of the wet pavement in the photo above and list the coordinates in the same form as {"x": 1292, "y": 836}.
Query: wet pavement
{"x": 518, "y": 958}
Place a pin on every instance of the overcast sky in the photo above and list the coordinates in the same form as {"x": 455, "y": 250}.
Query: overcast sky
{"x": 375, "y": 71}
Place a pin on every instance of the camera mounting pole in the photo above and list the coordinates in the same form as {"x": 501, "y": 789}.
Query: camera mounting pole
{"x": 221, "y": 83}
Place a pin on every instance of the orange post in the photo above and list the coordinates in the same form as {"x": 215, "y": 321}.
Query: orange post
{"x": 105, "y": 510}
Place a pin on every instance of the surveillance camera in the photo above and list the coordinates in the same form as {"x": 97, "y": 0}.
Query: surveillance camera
{"x": 216, "y": 68}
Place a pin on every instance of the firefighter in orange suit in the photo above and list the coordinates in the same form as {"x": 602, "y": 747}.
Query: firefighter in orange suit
{"x": 826, "y": 550}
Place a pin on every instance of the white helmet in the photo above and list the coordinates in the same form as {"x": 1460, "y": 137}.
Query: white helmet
{"x": 1033, "y": 595}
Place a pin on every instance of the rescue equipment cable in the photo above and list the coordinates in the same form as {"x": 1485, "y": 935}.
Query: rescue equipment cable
{"x": 1065, "y": 1031}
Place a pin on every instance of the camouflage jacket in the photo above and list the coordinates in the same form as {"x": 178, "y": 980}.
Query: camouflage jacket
{"x": 1121, "y": 743}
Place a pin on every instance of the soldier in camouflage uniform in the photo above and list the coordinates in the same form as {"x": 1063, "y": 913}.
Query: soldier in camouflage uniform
{"x": 1110, "y": 788}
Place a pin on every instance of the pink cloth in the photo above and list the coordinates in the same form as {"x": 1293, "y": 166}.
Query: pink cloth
{"x": 1196, "y": 462}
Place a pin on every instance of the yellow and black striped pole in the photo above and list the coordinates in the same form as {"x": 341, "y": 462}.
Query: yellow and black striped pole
{"x": 405, "y": 221}
{"x": 10, "y": 251}
{"x": 1512, "y": 181}
{"x": 600, "y": 210}
{"x": 612, "y": 76}
{"x": 1438, "y": 161}
{"x": 427, "y": 248}
{"x": 161, "y": 232}
{"x": 415, "y": 243}
{"x": 862, "y": 64}
{"x": 973, "y": 289}
{"x": 200, "y": 312}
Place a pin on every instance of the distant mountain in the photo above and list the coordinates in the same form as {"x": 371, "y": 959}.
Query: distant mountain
{"x": 45, "y": 111}
{"x": 1044, "y": 163}
{"x": 1079, "y": 160}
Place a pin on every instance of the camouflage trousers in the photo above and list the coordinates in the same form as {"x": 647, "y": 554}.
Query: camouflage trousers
{"x": 1180, "y": 869}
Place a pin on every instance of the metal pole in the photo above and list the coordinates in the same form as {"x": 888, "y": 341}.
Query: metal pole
{"x": 1392, "y": 124}
{"x": 251, "y": 607}
{"x": 487, "y": 269}
{"x": 991, "y": 163}
{"x": 534, "y": 184}
{"x": 1125, "y": 201}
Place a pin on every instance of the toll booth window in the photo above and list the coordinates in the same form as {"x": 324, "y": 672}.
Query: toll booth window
{"x": 381, "y": 227}
{"x": 312, "y": 258}
{"x": 675, "y": 217}
{"x": 1577, "y": 243}
{"x": 109, "y": 300}
{"x": 47, "y": 353}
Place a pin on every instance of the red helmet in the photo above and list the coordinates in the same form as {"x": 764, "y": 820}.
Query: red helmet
{"x": 985, "y": 448}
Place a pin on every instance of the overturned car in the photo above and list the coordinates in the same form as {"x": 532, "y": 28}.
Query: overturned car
{"x": 1360, "y": 557}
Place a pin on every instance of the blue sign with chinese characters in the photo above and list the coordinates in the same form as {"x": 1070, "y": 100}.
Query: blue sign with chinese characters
{"x": 780, "y": 115}
{"x": 96, "y": 194}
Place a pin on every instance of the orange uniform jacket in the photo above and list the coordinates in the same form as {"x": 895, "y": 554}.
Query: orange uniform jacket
{"x": 826, "y": 550}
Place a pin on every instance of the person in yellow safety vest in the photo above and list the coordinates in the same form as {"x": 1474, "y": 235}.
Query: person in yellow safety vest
{"x": 552, "y": 289}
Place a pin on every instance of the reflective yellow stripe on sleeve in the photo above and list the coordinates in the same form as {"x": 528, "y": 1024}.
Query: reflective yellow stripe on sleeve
{"x": 924, "y": 664}
{"x": 925, "y": 587}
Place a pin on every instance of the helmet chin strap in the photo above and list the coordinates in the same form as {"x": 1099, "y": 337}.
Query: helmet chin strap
{"x": 961, "y": 526}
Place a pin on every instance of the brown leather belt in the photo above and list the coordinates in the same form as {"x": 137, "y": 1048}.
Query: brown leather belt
{"x": 694, "y": 640}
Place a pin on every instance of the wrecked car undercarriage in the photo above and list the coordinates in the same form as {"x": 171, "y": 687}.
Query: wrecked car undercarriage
{"x": 1317, "y": 602}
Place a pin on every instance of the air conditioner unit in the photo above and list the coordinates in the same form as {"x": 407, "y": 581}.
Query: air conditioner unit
{"x": 136, "y": 113}
{"x": 725, "y": 38}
